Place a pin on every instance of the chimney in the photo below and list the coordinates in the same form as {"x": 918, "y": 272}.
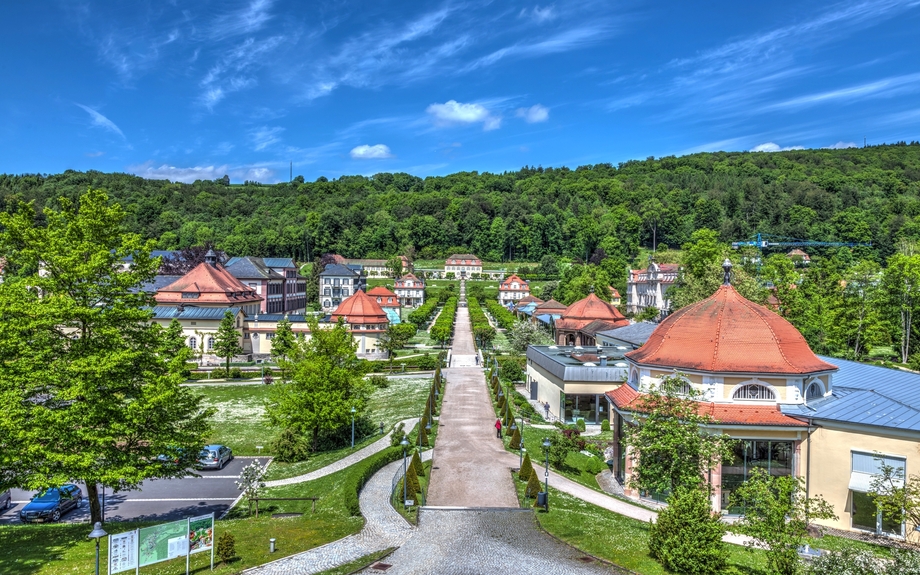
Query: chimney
{"x": 210, "y": 258}
{"x": 603, "y": 359}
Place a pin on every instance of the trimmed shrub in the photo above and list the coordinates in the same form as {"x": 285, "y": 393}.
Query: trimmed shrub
{"x": 226, "y": 547}
{"x": 417, "y": 464}
{"x": 423, "y": 441}
{"x": 533, "y": 486}
{"x": 398, "y": 434}
{"x": 605, "y": 425}
{"x": 515, "y": 439}
{"x": 688, "y": 536}
{"x": 526, "y": 469}
{"x": 236, "y": 373}
{"x": 379, "y": 381}
{"x": 412, "y": 484}
{"x": 580, "y": 425}
{"x": 219, "y": 373}
{"x": 290, "y": 446}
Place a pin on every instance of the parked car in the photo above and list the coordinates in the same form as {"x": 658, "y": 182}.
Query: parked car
{"x": 6, "y": 500}
{"x": 51, "y": 504}
{"x": 215, "y": 456}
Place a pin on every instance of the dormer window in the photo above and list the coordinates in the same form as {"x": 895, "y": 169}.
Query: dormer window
{"x": 814, "y": 391}
{"x": 190, "y": 295}
{"x": 755, "y": 392}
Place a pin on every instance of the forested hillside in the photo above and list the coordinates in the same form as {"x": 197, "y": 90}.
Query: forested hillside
{"x": 868, "y": 194}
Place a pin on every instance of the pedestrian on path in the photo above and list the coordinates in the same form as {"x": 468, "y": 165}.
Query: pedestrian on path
{"x": 498, "y": 428}
{"x": 546, "y": 409}
{"x": 477, "y": 360}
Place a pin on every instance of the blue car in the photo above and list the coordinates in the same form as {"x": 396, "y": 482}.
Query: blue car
{"x": 51, "y": 504}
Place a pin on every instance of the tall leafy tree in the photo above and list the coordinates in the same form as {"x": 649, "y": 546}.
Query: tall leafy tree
{"x": 227, "y": 340}
{"x": 667, "y": 445}
{"x": 902, "y": 284}
{"x": 326, "y": 382}
{"x": 283, "y": 344}
{"x": 90, "y": 386}
{"x": 395, "y": 267}
{"x": 397, "y": 336}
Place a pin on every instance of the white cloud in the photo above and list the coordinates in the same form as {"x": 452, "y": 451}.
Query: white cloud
{"x": 884, "y": 87}
{"x": 539, "y": 14}
{"x": 375, "y": 152}
{"x": 842, "y": 146}
{"x": 563, "y": 42}
{"x": 244, "y": 21}
{"x": 771, "y": 147}
{"x": 102, "y": 121}
{"x": 453, "y": 112}
{"x": 533, "y": 114}
{"x": 188, "y": 175}
{"x": 264, "y": 137}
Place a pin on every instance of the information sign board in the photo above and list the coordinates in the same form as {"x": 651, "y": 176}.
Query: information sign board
{"x": 201, "y": 533}
{"x": 158, "y": 543}
{"x": 122, "y": 552}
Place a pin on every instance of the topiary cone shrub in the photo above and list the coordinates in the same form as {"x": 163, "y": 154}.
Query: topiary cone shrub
{"x": 688, "y": 536}
{"x": 526, "y": 468}
{"x": 605, "y": 425}
{"x": 515, "y": 439}
{"x": 412, "y": 485}
{"x": 424, "y": 436}
{"x": 417, "y": 464}
{"x": 226, "y": 547}
{"x": 533, "y": 486}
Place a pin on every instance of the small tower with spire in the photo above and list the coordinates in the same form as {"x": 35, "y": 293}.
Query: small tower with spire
{"x": 727, "y": 269}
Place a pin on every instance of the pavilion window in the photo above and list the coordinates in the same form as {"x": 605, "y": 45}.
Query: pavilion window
{"x": 755, "y": 392}
{"x": 814, "y": 391}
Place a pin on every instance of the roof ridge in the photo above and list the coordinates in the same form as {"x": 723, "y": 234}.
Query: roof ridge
{"x": 715, "y": 348}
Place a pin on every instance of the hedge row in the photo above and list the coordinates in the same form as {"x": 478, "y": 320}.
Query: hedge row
{"x": 374, "y": 464}
{"x": 443, "y": 327}
{"x": 503, "y": 317}
{"x": 423, "y": 313}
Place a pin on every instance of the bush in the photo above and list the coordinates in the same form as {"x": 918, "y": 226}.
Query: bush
{"x": 412, "y": 484}
{"x": 605, "y": 425}
{"x": 236, "y": 373}
{"x": 688, "y": 536}
{"x": 398, "y": 434}
{"x": 515, "y": 439}
{"x": 375, "y": 464}
{"x": 290, "y": 446}
{"x": 533, "y": 486}
{"x": 580, "y": 425}
{"x": 847, "y": 561}
{"x": 226, "y": 547}
{"x": 219, "y": 373}
{"x": 380, "y": 381}
{"x": 417, "y": 465}
{"x": 526, "y": 469}
{"x": 427, "y": 362}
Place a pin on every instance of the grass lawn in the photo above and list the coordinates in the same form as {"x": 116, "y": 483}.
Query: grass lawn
{"x": 239, "y": 421}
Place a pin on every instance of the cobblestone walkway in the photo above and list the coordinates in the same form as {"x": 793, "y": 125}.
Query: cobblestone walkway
{"x": 383, "y": 528}
{"x": 347, "y": 461}
{"x": 469, "y": 468}
{"x": 472, "y": 542}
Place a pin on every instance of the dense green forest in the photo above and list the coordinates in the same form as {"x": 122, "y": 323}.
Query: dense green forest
{"x": 849, "y": 301}
{"x": 866, "y": 194}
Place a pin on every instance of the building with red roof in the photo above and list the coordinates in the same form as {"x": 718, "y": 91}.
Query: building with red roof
{"x": 591, "y": 312}
{"x": 384, "y": 297}
{"x": 366, "y": 320}
{"x": 463, "y": 265}
{"x": 512, "y": 290}
{"x": 649, "y": 287}
{"x": 209, "y": 284}
{"x": 410, "y": 290}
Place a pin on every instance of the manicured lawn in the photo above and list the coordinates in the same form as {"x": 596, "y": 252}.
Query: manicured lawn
{"x": 239, "y": 421}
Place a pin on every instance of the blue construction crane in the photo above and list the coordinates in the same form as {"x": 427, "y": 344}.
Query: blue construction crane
{"x": 766, "y": 241}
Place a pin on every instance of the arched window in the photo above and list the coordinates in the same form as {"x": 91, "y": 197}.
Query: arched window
{"x": 755, "y": 391}
{"x": 193, "y": 342}
{"x": 210, "y": 343}
{"x": 814, "y": 391}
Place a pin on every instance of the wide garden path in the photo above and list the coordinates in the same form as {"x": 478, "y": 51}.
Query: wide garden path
{"x": 469, "y": 465}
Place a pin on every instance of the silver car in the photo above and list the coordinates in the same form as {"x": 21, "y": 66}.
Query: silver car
{"x": 215, "y": 456}
{"x": 6, "y": 500}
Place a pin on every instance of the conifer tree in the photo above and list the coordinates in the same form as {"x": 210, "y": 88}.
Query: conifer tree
{"x": 227, "y": 340}
{"x": 526, "y": 469}
{"x": 417, "y": 464}
{"x": 515, "y": 439}
{"x": 412, "y": 484}
{"x": 533, "y": 486}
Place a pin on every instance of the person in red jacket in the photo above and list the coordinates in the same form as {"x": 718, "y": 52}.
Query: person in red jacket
{"x": 498, "y": 428}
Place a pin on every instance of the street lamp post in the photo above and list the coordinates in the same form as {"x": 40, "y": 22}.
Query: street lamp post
{"x": 353, "y": 410}
{"x": 97, "y": 533}
{"x": 546, "y": 445}
{"x": 404, "y": 443}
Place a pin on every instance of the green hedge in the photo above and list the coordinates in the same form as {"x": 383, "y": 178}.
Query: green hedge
{"x": 503, "y": 317}
{"x": 372, "y": 465}
{"x": 443, "y": 327}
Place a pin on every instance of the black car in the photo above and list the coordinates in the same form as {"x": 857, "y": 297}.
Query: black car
{"x": 50, "y": 504}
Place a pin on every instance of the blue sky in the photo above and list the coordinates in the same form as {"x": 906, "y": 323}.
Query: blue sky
{"x": 244, "y": 87}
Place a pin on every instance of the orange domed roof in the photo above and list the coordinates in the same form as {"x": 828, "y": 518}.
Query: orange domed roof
{"x": 360, "y": 308}
{"x": 591, "y": 308}
{"x": 728, "y": 333}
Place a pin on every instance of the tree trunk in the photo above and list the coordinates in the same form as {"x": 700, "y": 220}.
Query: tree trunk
{"x": 92, "y": 496}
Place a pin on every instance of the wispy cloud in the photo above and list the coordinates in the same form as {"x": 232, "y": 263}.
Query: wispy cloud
{"x": 264, "y": 137}
{"x": 571, "y": 39}
{"x": 885, "y": 87}
{"x": 235, "y": 69}
{"x": 245, "y": 20}
{"x": 539, "y": 14}
{"x": 375, "y": 152}
{"x": 533, "y": 114}
{"x": 452, "y": 113}
{"x": 101, "y": 121}
{"x": 841, "y": 146}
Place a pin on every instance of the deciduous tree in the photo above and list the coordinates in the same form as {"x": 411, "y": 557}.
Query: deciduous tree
{"x": 227, "y": 340}
{"x": 90, "y": 386}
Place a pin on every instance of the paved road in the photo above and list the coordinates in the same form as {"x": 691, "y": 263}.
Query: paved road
{"x": 158, "y": 500}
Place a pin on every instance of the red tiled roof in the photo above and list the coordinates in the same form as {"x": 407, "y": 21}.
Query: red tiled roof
{"x": 464, "y": 259}
{"x": 381, "y": 291}
{"x": 550, "y": 306}
{"x": 401, "y": 282}
{"x": 614, "y": 293}
{"x": 360, "y": 308}
{"x": 529, "y": 299}
{"x": 625, "y": 397}
{"x": 212, "y": 283}
{"x": 384, "y": 297}
{"x": 728, "y": 333}
{"x": 506, "y": 285}
{"x": 591, "y": 308}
